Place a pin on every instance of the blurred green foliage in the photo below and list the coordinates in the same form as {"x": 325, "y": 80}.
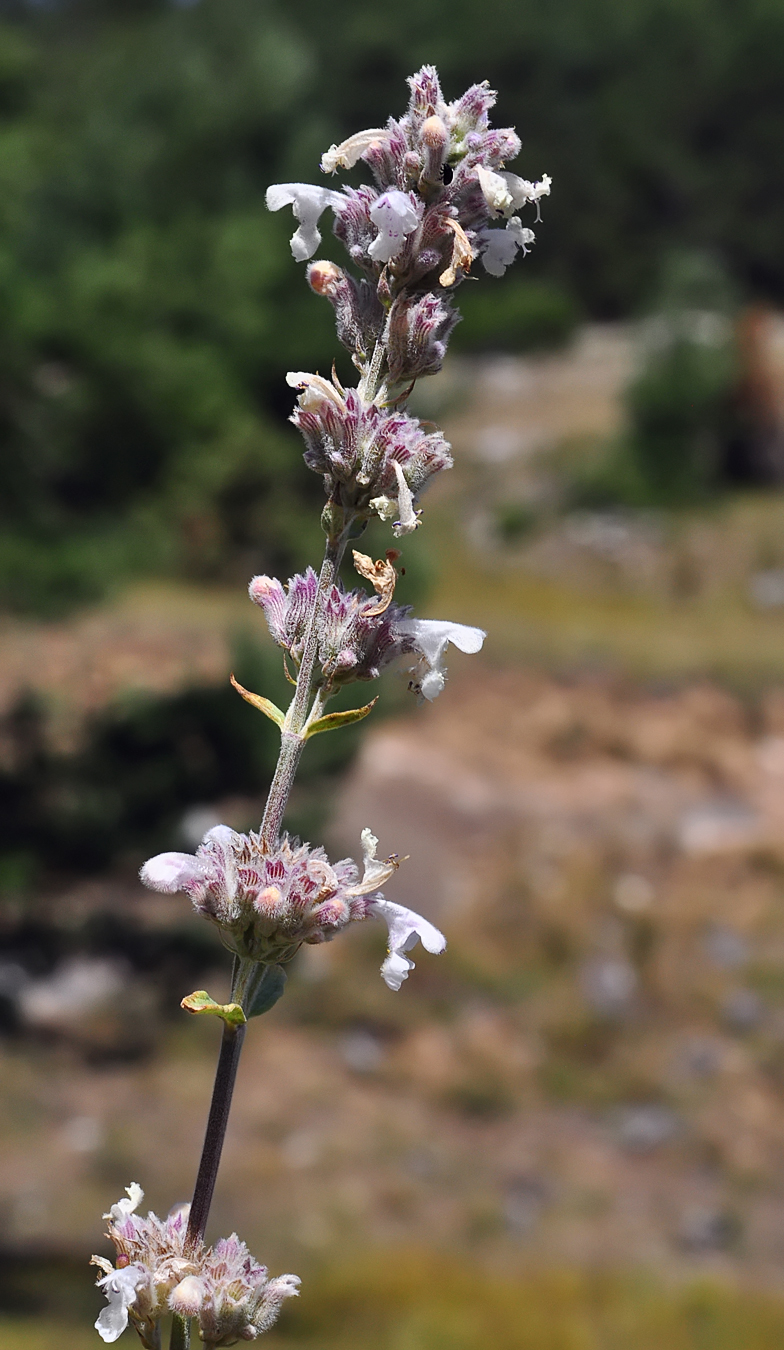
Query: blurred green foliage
{"x": 520, "y": 315}
{"x": 685, "y": 436}
{"x": 679, "y": 411}
{"x": 150, "y": 305}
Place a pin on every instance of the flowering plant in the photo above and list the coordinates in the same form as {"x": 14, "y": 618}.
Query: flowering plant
{"x": 441, "y": 199}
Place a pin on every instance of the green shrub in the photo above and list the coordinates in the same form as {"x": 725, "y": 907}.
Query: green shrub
{"x": 522, "y": 315}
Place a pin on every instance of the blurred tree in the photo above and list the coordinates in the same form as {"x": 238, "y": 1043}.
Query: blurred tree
{"x": 144, "y": 293}
{"x": 150, "y": 307}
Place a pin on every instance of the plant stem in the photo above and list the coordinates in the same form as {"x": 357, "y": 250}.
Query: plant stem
{"x": 180, "y": 1338}
{"x": 292, "y": 741}
{"x": 218, "y": 1119}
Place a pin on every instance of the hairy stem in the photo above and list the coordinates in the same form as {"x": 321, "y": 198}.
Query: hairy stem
{"x": 180, "y": 1338}
{"x": 292, "y": 744}
{"x": 292, "y": 741}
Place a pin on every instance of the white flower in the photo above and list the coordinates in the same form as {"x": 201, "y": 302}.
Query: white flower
{"x": 432, "y": 637}
{"x": 406, "y": 928}
{"x": 521, "y": 191}
{"x": 500, "y": 246}
{"x": 395, "y": 214}
{"x": 120, "y": 1287}
{"x": 168, "y": 873}
{"x": 506, "y": 192}
{"x": 171, "y": 872}
{"x": 135, "y": 1194}
{"x": 387, "y": 508}
{"x": 376, "y": 870}
{"x": 495, "y": 189}
{"x": 315, "y": 390}
{"x": 308, "y": 203}
{"x": 345, "y": 155}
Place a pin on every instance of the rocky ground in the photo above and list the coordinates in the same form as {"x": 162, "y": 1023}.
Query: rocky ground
{"x": 593, "y": 1074}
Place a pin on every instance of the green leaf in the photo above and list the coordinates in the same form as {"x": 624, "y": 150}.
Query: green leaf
{"x": 201, "y": 1002}
{"x": 263, "y": 704}
{"x": 334, "y": 721}
{"x": 267, "y": 990}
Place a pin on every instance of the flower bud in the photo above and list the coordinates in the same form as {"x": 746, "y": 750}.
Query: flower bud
{"x": 187, "y": 1297}
{"x": 434, "y": 140}
{"x": 359, "y": 316}
{"x": 417, "y": 335}
{"x": 323, "y": 277}
{"x": 434, "y": 135}
{"x": 360, "y": 449}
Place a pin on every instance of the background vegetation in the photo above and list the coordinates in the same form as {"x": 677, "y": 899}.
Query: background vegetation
{"x": 150, "y": 305}
{"x": 149, "y": 309}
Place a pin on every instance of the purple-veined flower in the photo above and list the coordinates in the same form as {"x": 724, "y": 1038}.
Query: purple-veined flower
{"x": 232, "y": 1296}
{"x": 266, "y": 904}
{"x": 396, "y": 215}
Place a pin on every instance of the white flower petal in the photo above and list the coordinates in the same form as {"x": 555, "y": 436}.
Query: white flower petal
{"x": 520, "y": 233}
{"x": 376, "y": 870}
{"x": 521, "y": 191}
{"x": 395, "y": 215}
{"x": 384, "y": 507}
{"x": 120, "y": 1289}
{"x": 499, "y": 253}
{"x": 432, "y": 636}
{"x": 308, "y": 203}
{"x": 406, "y": 927}
{"x": 542, "y": 188}
{"x": 345, "y": 155}
{"x": 495, "y": 189}
{"x": 408, "y": 518}
{"x": 170, "y": 872}
{"x": 432, "y": 684}
{"x": 315, "y": 390}
{"x": 395, "y": 970}
{"x": 500, "y": 246}
{"x": 134, "y": 1192}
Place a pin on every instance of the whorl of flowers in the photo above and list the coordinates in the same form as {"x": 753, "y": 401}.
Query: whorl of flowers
{"x": 441, "y": 199}
{"x": 356, "y": 642}
{"x": 371, "y": 460}
{"x": 233, "y": 1298}
{"x": 439, "y": 184}
{"x": 357, "y": 636}
{"x": 267, "y": 904}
